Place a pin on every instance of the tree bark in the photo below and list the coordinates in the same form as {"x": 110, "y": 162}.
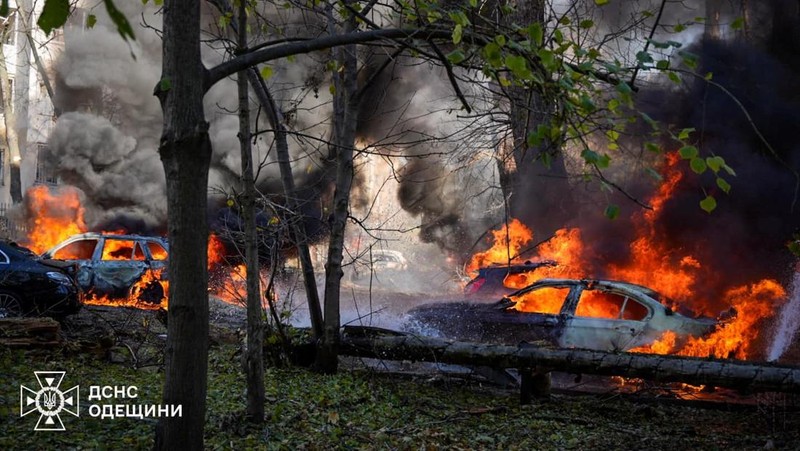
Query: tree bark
{"x": 185, "y": 151}
{"x": 540, "y": 195}
{"x": 691, "y": 370}
{"x": 345, "y": 120}
{"x": 254, "y": 357}
{"x": 11, "y": 138}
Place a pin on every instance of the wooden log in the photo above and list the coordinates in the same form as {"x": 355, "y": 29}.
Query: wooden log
{"x": 29, "y": 332}
{"x": 748, "y": 376}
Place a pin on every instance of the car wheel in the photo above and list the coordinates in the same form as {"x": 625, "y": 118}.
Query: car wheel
{"x": 152, "y": 293}
{"x": 10, "y": 305}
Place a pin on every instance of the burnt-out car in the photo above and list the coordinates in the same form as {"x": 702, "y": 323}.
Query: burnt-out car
{"x": 500, "y": 280}
{"x": 112, "y": 264}
{"x": 30, "y": 286}
{"x": 589, "y": 314}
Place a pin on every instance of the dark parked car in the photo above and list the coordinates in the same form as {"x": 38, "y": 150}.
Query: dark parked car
{"x": 496, "y": 281}
{"x": 590, "y": 314}
{"x": 30, "y": 286}
{"x": 111, "y": 264}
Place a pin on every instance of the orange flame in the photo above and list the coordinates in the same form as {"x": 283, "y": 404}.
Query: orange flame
{"x": 54, "y": 215}
{"x": 672, "y": 272}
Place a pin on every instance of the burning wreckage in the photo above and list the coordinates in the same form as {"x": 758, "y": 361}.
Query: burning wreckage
{"x": 117, "y": 266}
{"x": 571, "y": 313}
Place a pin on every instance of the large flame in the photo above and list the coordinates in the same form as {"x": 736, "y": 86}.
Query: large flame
{"x": 55, "y": 214}
{"x": 674, "y": 273}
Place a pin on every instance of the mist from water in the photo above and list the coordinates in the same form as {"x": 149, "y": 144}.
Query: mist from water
{"x": 788, "y": 322}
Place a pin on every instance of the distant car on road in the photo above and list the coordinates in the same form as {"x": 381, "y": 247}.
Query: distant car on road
{"x": 30, "y": 286}
{"x": 111, "y": 264}
{"x": 589, "y": 314}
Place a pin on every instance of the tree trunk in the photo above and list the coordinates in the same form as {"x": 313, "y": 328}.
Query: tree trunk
{"x": 287, "y": 180}
{"x": 540, "y": 195}
{"x": 254, "y": 357}
{"x": 691, "y": 370}
{"x": 9, "y": 121}
{"x": 345, "y": 119}
{"x": 186, "y": 155}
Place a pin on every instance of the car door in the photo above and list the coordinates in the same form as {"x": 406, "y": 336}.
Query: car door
{"x": 531, "y": 315}
{"x": 118, "y": 263}
{"x": 604, "y": 320}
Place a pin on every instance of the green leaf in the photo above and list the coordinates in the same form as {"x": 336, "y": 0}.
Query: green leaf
{"x": 500, "y": 40}
{"x": 654, "y": 174}
{"x": 457, "y": 32}
{"x": 624, "y": 88}
{"x": 644, "y": 57}
{"x": 332, "y": 89}
{"x": 662, "y": 64}
{"x": 708, "y": 204}
{"x": 612, "y": 135}
{"x": 456, "y": 56}
{"x": 708, "y": 76}
{"x": 586, "y": 24}
{"x": 684, "y": 133}
{"x": 536, "y": 34}
{"x": 4, "y": 8}
{"x": 493, "y": 54}
{"x": 729, "y": 170}
{"x": 652, "y": 147}
{"x": 600, "y": 2}
{"x": 518, "y": 66}
{"x": 473, "y": 3}
{"x": 54, "y": 14}
{"x": 590, "y": 156}
{"x": 547, "y": 159}
{"x": 715, "y": 163}
{"x": 611, "y": 211}
{"x": 164, "y": 85}
{"x": 123, "y": 26}
{"x": 266, "y": 72}
{"x": 794, "y": 247}
{"x": 737, "y": 23}
{"x": 698, "y": 165}
{"x": 91, "y": 20}
{"x": 688, "y": 152}
{"x": 604, "y": 161}
{"x": 674, "y": 77}
{"x": 678, "y": 28}
{"x": 613, "y": 105}
{"x": 548, "y": 59}
{"x": 723, "y": 185}
{"x": 459, "y": 18}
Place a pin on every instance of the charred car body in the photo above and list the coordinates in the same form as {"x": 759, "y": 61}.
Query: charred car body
{"x": 111, "y": 265}
{"x": 31, "y": 286}
{"x": 588, "y": 314}
{"x": 498, "y": 280}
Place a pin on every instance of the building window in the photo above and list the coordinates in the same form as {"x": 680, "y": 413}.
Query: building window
{"x": 45, "y": 172}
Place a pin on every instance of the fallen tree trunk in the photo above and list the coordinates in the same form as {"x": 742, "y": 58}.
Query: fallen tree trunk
{"x": 28, "y": 332}
{"x": 741, "y": 375}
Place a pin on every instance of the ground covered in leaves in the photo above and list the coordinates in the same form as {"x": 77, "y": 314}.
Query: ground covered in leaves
{"x": 365, "y": 409}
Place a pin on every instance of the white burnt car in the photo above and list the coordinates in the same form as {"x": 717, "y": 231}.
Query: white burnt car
{"x": 589, "y": 314}
{"x": 111, "y": 264}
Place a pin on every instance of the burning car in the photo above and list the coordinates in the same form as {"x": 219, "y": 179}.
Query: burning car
{"x": 30, "y": 286}
{"x": 499, "y": 280}
{"x": 119, "y": 266}
{"x": 573, "y": 313}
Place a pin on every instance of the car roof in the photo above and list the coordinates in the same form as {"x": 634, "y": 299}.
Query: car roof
{"x": 114, "y": 236}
